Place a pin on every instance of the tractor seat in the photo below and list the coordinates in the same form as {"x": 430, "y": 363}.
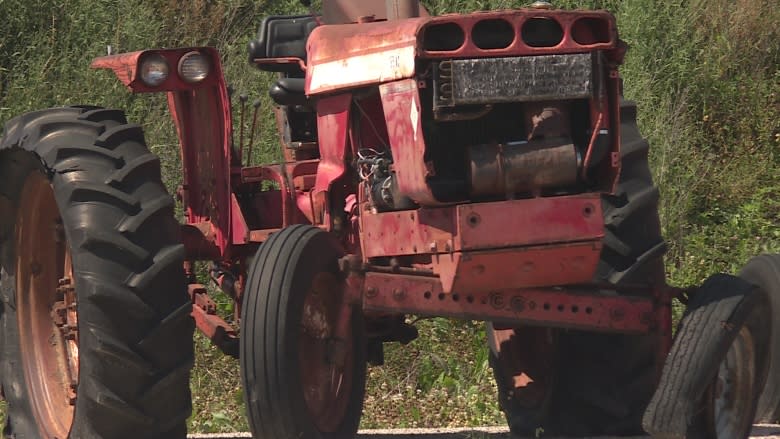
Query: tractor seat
{"x": 289, "y": 91}
{"x": 282, "y": 36}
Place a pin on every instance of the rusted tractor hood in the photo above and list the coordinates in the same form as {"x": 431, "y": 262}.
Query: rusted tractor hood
{"x": 353, "y": 55}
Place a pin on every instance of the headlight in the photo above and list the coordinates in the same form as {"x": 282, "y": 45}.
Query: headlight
{"x": 154, "y": 70}
{"x": 194, "y": 67}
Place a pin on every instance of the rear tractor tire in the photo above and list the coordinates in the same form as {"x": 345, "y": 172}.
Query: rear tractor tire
{"x": 300, "y": 380}
{"x": 587, "y": 384}
{"x": 95, "y": 328}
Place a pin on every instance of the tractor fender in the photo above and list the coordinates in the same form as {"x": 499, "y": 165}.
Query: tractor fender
{"x": 202, "y": 115}
{"x": 716, "y": 312}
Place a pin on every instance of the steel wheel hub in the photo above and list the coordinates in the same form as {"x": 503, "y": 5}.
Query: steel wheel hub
{"x": 326, "y": 362}
{"x": 46, "y": 309}
{"x": 732, "y": 393}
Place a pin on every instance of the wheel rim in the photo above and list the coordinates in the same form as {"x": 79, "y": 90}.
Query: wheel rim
{"x": 46, "y": 309}
{"x": 326, "y": 363}
{"x": 730, "y": 398}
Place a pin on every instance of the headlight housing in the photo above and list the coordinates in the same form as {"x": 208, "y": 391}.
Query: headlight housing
{"x": 154, "y": 70}
{"x": 194, "y": 67}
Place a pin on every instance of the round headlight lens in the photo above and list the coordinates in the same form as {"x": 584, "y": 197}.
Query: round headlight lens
{"x": 194, "y": 67}
{"x": 154, "y": 70}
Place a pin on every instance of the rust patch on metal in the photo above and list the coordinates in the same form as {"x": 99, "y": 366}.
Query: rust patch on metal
{"x": 477, "y": 226}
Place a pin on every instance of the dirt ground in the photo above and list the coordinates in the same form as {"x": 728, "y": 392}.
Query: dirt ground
{"x": 759, "y": 432}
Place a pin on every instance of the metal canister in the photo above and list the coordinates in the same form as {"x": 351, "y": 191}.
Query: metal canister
{"x": 524, "y": 166}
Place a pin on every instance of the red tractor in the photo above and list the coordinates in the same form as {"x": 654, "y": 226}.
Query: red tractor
{"x": 480, "y": 166}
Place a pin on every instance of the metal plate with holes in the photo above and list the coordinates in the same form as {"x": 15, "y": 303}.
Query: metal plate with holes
{"x": 514, "y": 79}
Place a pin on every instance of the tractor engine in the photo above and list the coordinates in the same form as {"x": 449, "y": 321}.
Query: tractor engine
{"x": 491, "y": 136}
{"x": 509, "y": 105}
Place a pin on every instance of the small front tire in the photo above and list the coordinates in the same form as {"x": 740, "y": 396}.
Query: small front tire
{"x": 300, "y": 380}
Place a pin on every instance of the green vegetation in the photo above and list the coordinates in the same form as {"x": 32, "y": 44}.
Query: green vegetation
{"x": 705, "y": 75}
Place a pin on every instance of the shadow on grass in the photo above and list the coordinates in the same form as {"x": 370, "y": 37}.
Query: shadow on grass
{"x": 759, "y": 432}
{"x": 465, "y": 434}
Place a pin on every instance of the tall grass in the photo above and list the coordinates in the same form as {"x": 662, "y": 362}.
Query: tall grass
{"x": 705, "y": 75}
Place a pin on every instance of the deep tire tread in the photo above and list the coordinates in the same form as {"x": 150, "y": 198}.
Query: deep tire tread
{"x": 648, "y": 196}
{"x": 83, "y": 192}
{"x": 133, "y": 306}
{"x": 635, "y": 149}
{"x": 111, "y": 347}
{"x": 102, "y": 115}
{"x": 111, "y": 247}
{"x": 115, "y": 136}
{"x": 120, "y": 408}
{"x": 108, "y": 297}
{"x": 163, "y": 261}
{"x": 162, "y": 205}
{"x": 139, "y": 169}
{"x": 76, "y": 152}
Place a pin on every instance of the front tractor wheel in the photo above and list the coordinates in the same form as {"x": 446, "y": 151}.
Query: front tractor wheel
{"x": 95, "y": 330}
{"x": 301, "y": 378}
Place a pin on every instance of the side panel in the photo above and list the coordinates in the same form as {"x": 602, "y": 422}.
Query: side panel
{"x": 401, "y": 103}
{"x": 520, "y": 267}
{"x": 202, "y": 119}
{"x": 482, "y": 226}
{"x": 332, "y": 123}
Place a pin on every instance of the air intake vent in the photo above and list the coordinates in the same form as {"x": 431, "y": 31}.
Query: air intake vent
{"x": 588, "y": 31}
{"x": 542, "y": 32}
{"x": 493, "y": 34}
{"x": 444, "y": 37}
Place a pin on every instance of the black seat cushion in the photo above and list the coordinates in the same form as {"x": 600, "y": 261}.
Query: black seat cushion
{"x": 282, "y": 37}
{"x": 289, "y": 91}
